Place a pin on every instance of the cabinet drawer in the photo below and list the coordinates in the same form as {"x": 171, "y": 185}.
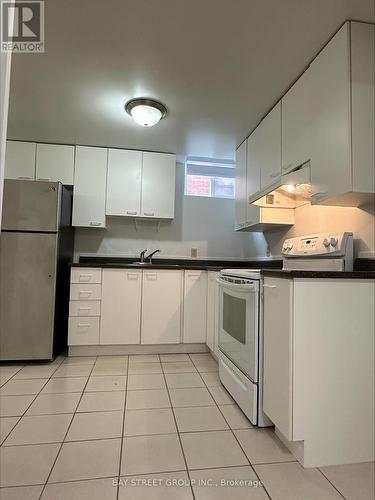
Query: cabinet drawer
{"x": 86, "y": 275}
{"x": 84, "y": 308}
{"x": 83, "y": 331}
{"x": 87, "y": 291}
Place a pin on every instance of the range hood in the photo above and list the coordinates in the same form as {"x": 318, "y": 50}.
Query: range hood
{"x": 293, "y": 188}
{"x": 273, "y": 207}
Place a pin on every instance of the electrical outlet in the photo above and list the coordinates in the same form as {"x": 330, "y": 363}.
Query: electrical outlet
{"x": 193, "y": 252}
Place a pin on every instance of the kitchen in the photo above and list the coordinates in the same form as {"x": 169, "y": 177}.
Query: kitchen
{"x": 187, "y": 273}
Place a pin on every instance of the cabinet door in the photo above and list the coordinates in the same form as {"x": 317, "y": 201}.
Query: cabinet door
{"x": 161, "y": 307}
{"x": 83, "y": 330}
{"x": 121, "y": 307}
{"x": 241, "y": 199}
{"x": 278, "y": 353}
{"x": 295, "y": 124}
{"x": 90, "y": 179}
{"x": 55, "y": 162}
{"x": 267, "y": 146}
{"x": 158, "y": 185}
{"x": 20, "y": 160}
{"x": 212, "y": 311}
{"x": 195, "y": 306}
{"x": 330, "y": 119}
{"x": 253, "y": 168}
{"x": 124, "y": 182}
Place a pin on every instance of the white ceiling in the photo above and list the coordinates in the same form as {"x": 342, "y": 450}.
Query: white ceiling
{"x": 218, "y": 65}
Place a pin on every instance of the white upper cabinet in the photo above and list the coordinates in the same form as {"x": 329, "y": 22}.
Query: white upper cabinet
{"x": 241, "y": 198}
{"x": 55, "y": 162}
{"x": 267, "y": 145}
{"x": 20, "y": 160}
{"x": 124, "y": 182}
{"x": 158, "y": 185}
{"x": 120, "y": 321}
{"x": 90, "y": 179}
{"x": 342, "y": 117}
{"x": 195, "y": 306}
{"x": 161, "y": 307}
{"x": 295, "y": 124}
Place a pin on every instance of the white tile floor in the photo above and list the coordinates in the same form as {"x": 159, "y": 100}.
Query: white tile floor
{"x": 146, "y": 427}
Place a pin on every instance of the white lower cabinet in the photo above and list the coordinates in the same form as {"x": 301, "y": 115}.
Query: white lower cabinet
{"x": 161, "y": 307}
{"x": 212, "y": 312}
{"x": 83, "y": 330}
{"x": 319, "y": 367}
{"x": 195, "y": 306}
{"x": 120, "y": 321}
{"x": 277, "y": 385}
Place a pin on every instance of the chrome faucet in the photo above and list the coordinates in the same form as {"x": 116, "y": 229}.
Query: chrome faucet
{"x": 142, "y": 255}
{"x": 149, "y": 257}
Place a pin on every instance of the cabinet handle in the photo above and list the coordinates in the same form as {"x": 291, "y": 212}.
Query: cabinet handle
{"x": 86, "y": 309}
{"x": 83, "y": 293}
{"x": 287, "y": 167}
{"x": 25, "y": 178}
{"x": 129, "y": 212}
{"x": 95, "y": 223}
{"x": 84, "y": 278}
{"x": 194, "y": 276}
{"x": 275, "y": 174}
{"x": 269, "y": 286}
{"x": 83, "y": 325}
{"x": 149, "y": 214}
{"x": 43, "y": 179}
{"x": 132, "y": 276}
{"x": 152, "y": 276}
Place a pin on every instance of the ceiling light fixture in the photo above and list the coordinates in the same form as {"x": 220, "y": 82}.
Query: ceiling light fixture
{"x": 145, "y": 112}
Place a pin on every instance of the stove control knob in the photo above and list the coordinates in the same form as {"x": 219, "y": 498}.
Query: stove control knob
{"x": 326, "y": 242}
{"x": 333, "y": 241}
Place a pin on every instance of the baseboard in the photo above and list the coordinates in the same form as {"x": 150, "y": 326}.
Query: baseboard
{"x": 121, "y": 350}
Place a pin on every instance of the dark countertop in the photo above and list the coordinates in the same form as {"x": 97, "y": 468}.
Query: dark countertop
{"x": 193, "y": 264}
{"x": 280, "y": 273}
{"x": 363, "y": 268}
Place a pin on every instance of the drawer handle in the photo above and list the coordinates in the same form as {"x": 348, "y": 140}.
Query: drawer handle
{"x": 43, "y": 179}
{"x": 275, "y": 174}
{"x": 25, "y": 178}
{"x": 287, "y": 167}
{"x": 83, "y": 293}
{"x": 129, "y": 212}
{"x": 85, "y": 277}
{"x": 84, "y": 309}
{"x": 149, "y": 214}
{"x": 269, "y": 286}
{"x": 95, "y": 224}
{"x": 84, "y": 325}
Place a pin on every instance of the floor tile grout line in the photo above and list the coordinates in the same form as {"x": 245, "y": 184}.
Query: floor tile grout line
{"x": 178, "y": 434}
{"x": 235, "y": 437}
{"x": 21, "y": 417}
{"x": 123, "y": 430}
{"x": 66, "y": 433}
{"x": 331, "y": 483}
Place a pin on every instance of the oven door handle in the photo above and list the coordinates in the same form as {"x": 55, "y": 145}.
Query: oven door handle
{"x": 236, "y": 286}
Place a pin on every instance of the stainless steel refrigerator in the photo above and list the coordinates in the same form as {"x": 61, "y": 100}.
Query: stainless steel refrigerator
{"x": 36, "y": 250}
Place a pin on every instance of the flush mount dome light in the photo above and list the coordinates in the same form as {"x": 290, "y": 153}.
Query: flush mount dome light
{"x": 146, "y": 112}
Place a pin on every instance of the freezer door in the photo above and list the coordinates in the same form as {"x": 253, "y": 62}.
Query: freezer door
{"x": 27, "y": 295}
{"x": 31, "y": 206}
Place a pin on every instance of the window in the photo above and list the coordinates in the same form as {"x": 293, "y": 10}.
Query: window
{"x": 209, "y": 177}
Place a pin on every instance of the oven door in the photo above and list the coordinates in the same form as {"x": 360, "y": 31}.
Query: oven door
{"x": 239, "y": 323}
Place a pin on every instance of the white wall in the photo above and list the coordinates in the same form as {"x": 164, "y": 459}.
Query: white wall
{"x": 320, "y": 219}
{"x": 205, "y": 223}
